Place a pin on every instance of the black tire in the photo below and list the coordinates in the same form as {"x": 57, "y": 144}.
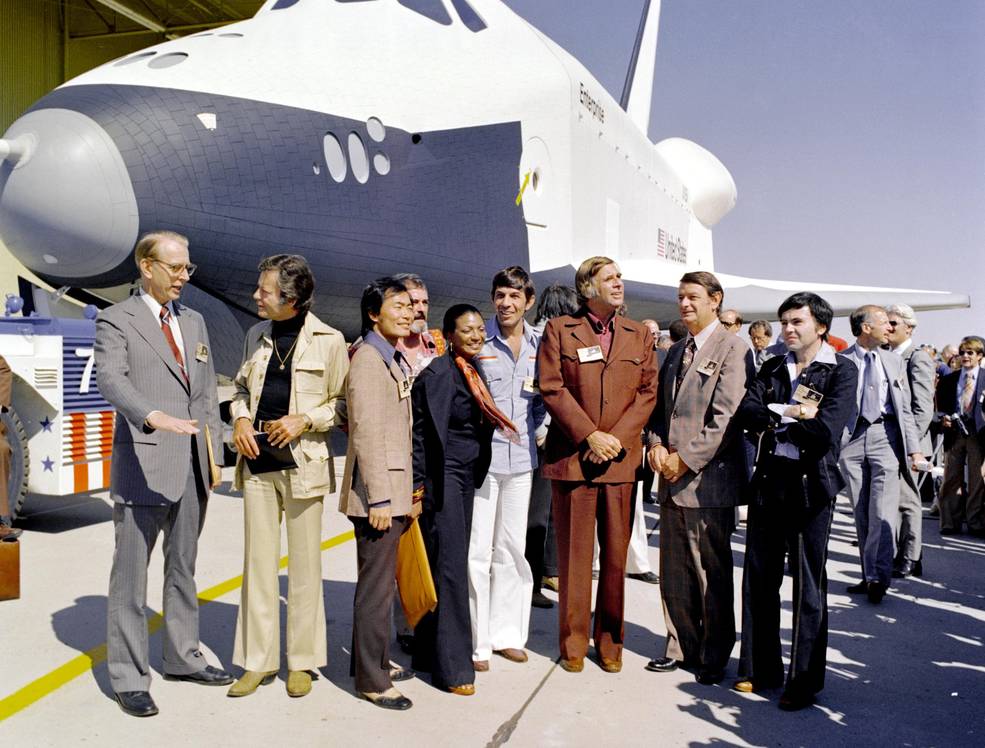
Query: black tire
{"x": 20, "y": 465}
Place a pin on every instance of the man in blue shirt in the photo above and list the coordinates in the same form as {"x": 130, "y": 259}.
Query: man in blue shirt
{"x": 500, "y": 581}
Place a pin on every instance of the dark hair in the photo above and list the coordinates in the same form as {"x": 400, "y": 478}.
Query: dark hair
{"x": 451, "y": 317}
{"x": 294, "y": 279}
{"x": 677, "y": 330}
{"x": 514, "y": 277}
{"x": 556, "y": 301}
{"x": 861, "y": 316}
{"x": 820, "y": 309}
{"x": 373, "y": 297}
{"x": 762, "y": 324}
{"x": 410, "y": 280}
{"x": 708, "y": 281}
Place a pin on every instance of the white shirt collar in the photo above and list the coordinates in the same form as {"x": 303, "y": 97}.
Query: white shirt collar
{"x": 825, "y": 355}
{"x": 702, "y": 337}
{"x": 155, "y": 307}
{"x": 903, "y": 347}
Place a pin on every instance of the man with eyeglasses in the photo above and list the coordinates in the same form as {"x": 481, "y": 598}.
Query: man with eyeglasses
{"x": 154, "y": 365}
{"x": 879, "y": 436}
{"x": 920, "y": 377}
{"x": 959, "y": 410}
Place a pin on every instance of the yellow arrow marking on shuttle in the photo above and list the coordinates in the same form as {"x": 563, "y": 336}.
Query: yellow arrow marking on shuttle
{"x": 526, "y": 180}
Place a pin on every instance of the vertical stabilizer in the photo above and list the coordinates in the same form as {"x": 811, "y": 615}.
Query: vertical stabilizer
{"x": 638, "y": 89}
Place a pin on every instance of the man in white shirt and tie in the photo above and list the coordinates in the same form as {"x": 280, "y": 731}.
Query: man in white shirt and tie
{"x": 920, "y": 377}
{"x": 959, "y": 399}
{"x": 874, "y": 447}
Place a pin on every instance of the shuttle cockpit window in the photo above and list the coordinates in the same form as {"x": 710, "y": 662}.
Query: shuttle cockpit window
{"x": 281, "y": 4}
{"x": 471, "y": 19}
{"x": 433, "y": 9}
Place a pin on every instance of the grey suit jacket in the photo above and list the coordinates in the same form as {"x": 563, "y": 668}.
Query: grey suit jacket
{"x": 920, "y": 374}
{"x": 137, "y": 374}
{"x": 899, "y": 393}
{"x": 697, "y": 422}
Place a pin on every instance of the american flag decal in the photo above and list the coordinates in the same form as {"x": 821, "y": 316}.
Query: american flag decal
{"x": 87, "y": 446}
{"x": 661, "y": 243}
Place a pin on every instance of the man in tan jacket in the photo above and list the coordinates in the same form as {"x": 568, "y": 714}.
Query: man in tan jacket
{"x": 377, "y": 485}
{"x": 289, "y": 394}
{"x": 698, "y": 452}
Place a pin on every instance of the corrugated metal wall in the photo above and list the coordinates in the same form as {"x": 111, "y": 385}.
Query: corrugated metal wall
{"x": 30, "y": 54}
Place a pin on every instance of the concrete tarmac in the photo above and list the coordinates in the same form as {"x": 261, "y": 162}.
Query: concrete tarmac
{"x": 908, "y": 672}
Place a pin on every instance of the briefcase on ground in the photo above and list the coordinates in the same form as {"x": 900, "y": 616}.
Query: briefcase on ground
{"x": 10, "y": 570}
{"x": 414, "y": 581}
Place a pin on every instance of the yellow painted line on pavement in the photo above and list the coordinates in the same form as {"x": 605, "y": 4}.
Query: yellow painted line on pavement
{"x": 47, "y": 684}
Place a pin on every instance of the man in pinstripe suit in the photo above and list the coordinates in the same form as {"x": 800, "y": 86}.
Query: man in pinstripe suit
{"x": 153, "y": 364}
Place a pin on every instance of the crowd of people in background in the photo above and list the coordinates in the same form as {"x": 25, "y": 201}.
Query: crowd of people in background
{"x": 518, "y": 450}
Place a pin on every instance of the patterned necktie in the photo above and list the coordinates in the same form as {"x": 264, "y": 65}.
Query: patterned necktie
{"x": 967, "y": 393}
{"x": 686, "y": 360}
{"x": 871, "y": 407}
{"x": 169, "y": 336}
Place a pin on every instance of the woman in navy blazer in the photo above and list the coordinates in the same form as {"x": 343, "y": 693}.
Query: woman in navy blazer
{"x": 451, "y": 458}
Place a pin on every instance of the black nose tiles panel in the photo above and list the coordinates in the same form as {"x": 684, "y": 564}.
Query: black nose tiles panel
{"x": 246, "y": 189}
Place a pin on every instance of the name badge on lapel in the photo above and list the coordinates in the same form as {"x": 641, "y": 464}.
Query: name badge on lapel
{"x": 708, "y": 367}
{"x": 804, "y": 394}
{"x": 403, "y": 388}
{"x": 530, "y": 386}
{"x": 202, "y": 353}
{"x": 589, "y": 354}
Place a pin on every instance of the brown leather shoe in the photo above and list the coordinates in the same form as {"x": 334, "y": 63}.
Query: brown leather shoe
{"x": 611, "y": 666}
{"x": 574, "y": 665}
{"x": 466, "y": 689}
{"x": 512, "y": 654}
{"x": 480, "y": 666}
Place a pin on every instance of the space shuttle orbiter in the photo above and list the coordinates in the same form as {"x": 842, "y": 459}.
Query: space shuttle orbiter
{"x": 445, "y": 137}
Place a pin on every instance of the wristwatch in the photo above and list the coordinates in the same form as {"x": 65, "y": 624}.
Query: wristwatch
{"x": 308, "y": 423}
{"x": 802, "y": 411}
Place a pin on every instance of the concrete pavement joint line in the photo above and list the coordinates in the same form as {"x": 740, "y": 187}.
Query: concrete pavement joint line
{"x": 505, "y": 730}
{"x": 51, "y": 682}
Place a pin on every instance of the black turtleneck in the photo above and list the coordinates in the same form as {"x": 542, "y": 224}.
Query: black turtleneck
{"x": 275, "y": 400}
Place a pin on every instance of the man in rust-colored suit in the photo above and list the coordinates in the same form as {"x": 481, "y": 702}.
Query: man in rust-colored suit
{"x": 598, "y": 382}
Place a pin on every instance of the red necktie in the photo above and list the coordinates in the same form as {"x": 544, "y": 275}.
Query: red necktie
{"x": 169, "y": 336}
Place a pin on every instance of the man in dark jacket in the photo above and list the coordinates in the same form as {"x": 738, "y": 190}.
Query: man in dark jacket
{"x": 798, "y": 407}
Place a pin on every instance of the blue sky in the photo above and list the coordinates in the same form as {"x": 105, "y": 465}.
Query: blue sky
{"x": 855, "y": 131}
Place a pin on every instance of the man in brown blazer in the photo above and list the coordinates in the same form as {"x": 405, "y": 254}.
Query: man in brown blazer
{"x": 377, "y": 485}
{"x": 598, "y": 382}
{"x": 695, "y": 447}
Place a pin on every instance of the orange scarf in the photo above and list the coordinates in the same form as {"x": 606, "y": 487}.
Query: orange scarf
{"x": 493, "y": 414}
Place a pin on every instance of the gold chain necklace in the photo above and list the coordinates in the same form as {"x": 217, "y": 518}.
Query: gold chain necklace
{"x": 283, "y": 360}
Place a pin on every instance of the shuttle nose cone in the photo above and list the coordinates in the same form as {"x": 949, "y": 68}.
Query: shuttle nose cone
{"x": 67, "y": 207}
